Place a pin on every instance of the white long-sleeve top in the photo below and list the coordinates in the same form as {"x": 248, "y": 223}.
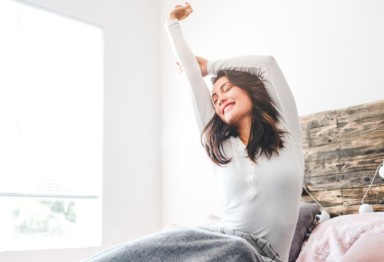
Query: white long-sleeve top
{"x": 262, "y": 198}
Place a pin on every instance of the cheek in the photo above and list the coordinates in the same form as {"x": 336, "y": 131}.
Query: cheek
{"x": 249, "y": 108}
{"x": 219, "y": 114}
{"x": 246, "y": 101}
{"x": 249, "y": 104}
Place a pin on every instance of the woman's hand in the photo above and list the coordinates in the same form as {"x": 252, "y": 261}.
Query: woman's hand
{"x": 181, "y": 12}
{"x": 203, "y": 65}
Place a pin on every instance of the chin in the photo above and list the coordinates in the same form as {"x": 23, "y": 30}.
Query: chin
{"x": 229, "y": 119}
{"x": 228, "y": 122}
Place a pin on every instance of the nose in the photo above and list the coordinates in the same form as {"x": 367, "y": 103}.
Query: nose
{"x": 222, "y": 99}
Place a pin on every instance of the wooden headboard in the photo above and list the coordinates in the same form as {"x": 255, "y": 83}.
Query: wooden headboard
{"x": 343, "y": 149}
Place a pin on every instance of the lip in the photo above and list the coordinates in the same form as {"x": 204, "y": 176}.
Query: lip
{"x": 226, "y": 105}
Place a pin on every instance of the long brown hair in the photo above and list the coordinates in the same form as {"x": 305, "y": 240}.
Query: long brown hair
{"x": 265, "y": 135}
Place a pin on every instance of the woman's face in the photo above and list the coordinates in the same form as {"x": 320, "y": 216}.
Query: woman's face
{"x": 232, "y": 103}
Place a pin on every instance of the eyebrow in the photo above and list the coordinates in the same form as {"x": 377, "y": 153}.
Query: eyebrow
{"x": 221, "y": 88}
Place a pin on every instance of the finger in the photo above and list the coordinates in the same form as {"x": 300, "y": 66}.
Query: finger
{"x": 188, "y": 6}
{"x": 188, "y": 9}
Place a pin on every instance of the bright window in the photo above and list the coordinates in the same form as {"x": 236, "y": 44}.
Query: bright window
{"x": 51, "y": 112}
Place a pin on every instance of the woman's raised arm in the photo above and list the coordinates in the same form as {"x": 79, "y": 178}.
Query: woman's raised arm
{"x": 191, "y": 65}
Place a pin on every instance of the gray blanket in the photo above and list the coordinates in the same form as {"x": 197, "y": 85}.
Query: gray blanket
{"x": 192, "y": 244}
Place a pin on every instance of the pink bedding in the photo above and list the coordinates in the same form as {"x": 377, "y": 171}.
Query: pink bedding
{"x": 331, "y": 239}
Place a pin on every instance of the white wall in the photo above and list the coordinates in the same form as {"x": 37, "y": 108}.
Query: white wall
{"x": 331, "y": 52}
{"x": 131, "y": 172}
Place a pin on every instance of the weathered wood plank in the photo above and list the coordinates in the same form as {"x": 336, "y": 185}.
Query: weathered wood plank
{"x": 326, "y": 198}
{"x": 319, "y": 153}
{"x": 346, "y": 210}
{"x": 364, "y": 161}
{"x": 312, "y": 121}
{"x": 324, "y": 135}
{"x": 354, "y": 196}
{"x": 360, "y": 112}
{"x": 341, "y": 181}
{"x": 328, "y": 167}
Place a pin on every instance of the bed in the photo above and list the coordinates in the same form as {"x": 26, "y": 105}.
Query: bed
{"x": 343, "y": 149}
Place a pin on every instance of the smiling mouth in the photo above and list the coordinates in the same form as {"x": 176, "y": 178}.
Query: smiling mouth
{"x": 227, "y": 106}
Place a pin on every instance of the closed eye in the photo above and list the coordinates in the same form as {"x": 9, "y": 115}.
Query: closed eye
{"x": 226, "y": 87}
{"x": 214, "y": 99}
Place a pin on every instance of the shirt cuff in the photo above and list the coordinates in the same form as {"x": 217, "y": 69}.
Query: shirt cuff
{"x": 170, "y": 21}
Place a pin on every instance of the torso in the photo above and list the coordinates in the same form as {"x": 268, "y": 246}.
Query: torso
{"x": 253, "y": 195}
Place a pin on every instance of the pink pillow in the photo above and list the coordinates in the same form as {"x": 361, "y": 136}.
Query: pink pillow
{"x": 369, "y": 247}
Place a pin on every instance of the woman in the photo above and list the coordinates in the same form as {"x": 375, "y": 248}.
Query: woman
{"x": 251, "y": 131}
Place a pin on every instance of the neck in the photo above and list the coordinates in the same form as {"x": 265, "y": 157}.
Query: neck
{"x": 244, "y": 131}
